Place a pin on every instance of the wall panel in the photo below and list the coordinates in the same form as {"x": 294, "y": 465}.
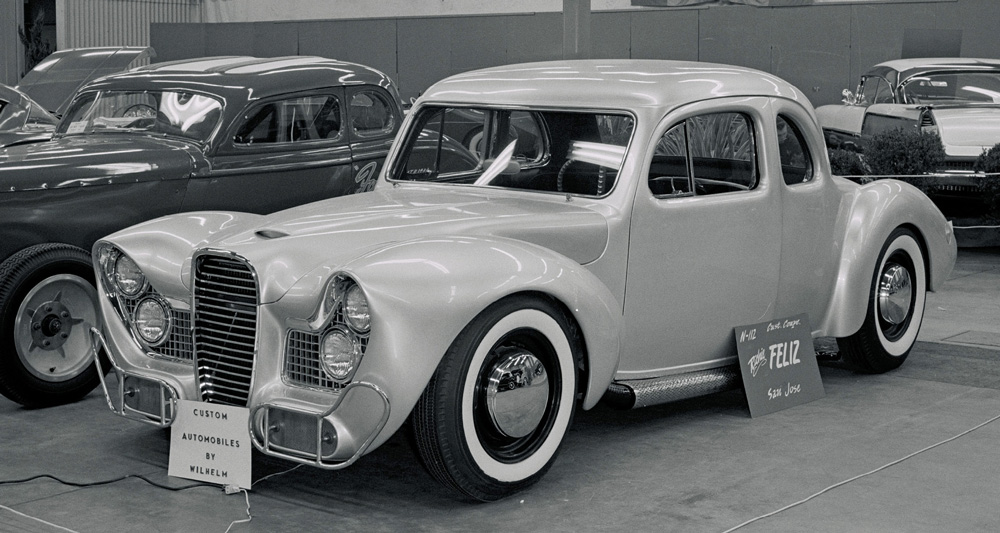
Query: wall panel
{"x": 370, "y": 42}
{"x": 11, "y": 52}
{"x": 611, "y": 35}
{"x": 86, "y": 23}
{"x": 821, "y": 48}
{"x": 665, "y": 35}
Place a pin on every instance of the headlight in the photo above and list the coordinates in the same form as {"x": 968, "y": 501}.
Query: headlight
{"x": 356, "y": 309}
{"x": 339, "y": 353}
{"x": 152, "y": 320}
{"x": 128, "y": 278}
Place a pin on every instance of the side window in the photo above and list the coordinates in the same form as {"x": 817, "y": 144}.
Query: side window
{"x": 306, "y": 118}
{"x": 796, "y": 164}
{"x": 668, "y": 172}
{"x": 706, "y": 154}
{"x": 371, "y": 114}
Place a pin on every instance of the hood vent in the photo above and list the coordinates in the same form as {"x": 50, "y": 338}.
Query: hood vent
{"x": 270, "y": 234}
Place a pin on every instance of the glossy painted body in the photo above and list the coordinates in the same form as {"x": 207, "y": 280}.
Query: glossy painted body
{"x": 654, "y": 283}
{"x": 232, "y": 133}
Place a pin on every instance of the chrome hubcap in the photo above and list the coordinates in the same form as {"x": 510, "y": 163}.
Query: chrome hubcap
{"x": 895, "y": 294}
{"x": 517, "y": 393}
{"x": 52, "y": 328}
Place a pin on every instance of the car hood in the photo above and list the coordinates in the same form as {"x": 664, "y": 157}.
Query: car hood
{"x": 286, "y": 246}
{"x": 79, "y": 160}
{"x": 966, "y": 131}
{"x": 53, "y": 82}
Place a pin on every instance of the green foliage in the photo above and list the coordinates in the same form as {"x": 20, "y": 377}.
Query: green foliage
{"x": 846, "y": 163}
{"x": 35, "y": 47}
{"x": 989, "y": 186}
{"x": 904, "y": 152}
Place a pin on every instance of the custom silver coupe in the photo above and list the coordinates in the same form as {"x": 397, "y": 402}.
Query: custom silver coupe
{"x": 614, "y": 223}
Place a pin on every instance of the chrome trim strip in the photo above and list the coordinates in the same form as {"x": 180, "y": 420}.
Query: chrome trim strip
{"x": 317, "y": 460}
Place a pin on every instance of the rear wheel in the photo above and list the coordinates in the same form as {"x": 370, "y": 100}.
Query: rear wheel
{"x": 895, "y": 307}
{"x": 48, "y": 304}
{"x": 495, "y": 413}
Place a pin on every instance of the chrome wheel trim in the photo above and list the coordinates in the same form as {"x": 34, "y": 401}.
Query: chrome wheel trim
{"x": 517, "y": 393}
{"x": 534, "y": 463}
{"x": 52, "y": 327}
{"x": 897, "y": 339}
{"x": 895, "y": 294}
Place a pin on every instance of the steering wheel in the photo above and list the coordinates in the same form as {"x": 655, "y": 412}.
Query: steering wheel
{"x": 602, "y": 175}
{"x": 140, "y": 111}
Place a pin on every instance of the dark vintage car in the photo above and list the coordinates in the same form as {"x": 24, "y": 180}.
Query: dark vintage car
{"x": 234, "y": 133}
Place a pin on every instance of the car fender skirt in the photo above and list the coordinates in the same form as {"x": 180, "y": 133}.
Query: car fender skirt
{"x": 646, "y": 392}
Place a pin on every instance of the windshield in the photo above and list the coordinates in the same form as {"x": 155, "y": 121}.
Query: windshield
{"x": 183, "y": 114}
{"x": 543, "y": 150}
{"x": 953, "y": 88}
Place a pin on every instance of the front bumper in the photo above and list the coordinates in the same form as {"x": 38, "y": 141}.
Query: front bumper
{"x": 281, "y": 426}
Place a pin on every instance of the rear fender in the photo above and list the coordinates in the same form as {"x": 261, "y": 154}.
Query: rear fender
{"x": 878, "y": 209}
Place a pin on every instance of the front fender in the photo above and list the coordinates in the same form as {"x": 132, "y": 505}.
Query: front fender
{"x": 423, "y": 292}
{"x": 877, "y": 209}
{"x": 164, "y": 245}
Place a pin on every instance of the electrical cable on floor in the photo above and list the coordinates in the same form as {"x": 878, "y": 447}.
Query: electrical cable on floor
{"x": 859, "y": 476}
{"x": 104, "y": 482}
{"x": 247, "y": 495}
{"x": 137, "y": 476}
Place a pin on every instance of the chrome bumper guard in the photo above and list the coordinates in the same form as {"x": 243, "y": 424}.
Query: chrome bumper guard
{"x": 320, "y": 436}
{"x": 161, "y": 410}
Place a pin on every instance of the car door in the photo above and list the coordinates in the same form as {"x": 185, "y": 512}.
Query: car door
{"x": 705, "y": 241}
{"x": 373, "y": 119}
{"x": 283, "y": 152}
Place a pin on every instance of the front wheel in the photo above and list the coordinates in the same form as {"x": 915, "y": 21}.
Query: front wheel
{"x": 895, "y": 307}
{"x": 496, "y": 410}
{"x": 48, "y": 304}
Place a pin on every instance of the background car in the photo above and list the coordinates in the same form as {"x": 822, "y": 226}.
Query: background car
{"x": 957, "y": 98}
{"x": 241, "y": 133}
{"x": 22, "y": 120}
{"x": 30, "y": 111}
{"x": 605, "y": 247}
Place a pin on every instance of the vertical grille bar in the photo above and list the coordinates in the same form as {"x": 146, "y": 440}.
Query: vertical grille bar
{"x": 225, "y": 327}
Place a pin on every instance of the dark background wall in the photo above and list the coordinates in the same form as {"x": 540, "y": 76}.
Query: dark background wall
{"x": 822, "y": 49}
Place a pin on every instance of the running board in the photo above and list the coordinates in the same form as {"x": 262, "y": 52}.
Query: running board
{"x": 645, "y": 392}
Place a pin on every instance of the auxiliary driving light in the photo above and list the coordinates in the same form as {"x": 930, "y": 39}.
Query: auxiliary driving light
{"x": 339, "y": 353}
{"x": 152, "y": 320}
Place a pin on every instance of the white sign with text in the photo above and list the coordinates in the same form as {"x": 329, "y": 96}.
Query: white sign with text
{"x": 211, "y": 442}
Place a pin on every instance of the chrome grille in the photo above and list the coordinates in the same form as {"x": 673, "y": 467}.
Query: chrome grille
{"x": 225, "y": 327}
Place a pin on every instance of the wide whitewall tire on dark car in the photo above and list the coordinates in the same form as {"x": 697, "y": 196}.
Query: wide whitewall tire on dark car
{"x": 496, "y": 410}
{"x": 895, "y": 307}
{"x": 48, "y": 303}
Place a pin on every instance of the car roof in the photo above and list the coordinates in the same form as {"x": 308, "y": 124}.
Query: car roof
{"x": 244, "y": 77}
{"x": 608, "y": 84}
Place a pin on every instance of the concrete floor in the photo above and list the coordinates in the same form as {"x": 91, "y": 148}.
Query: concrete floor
{"x": 912, "y": 450}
